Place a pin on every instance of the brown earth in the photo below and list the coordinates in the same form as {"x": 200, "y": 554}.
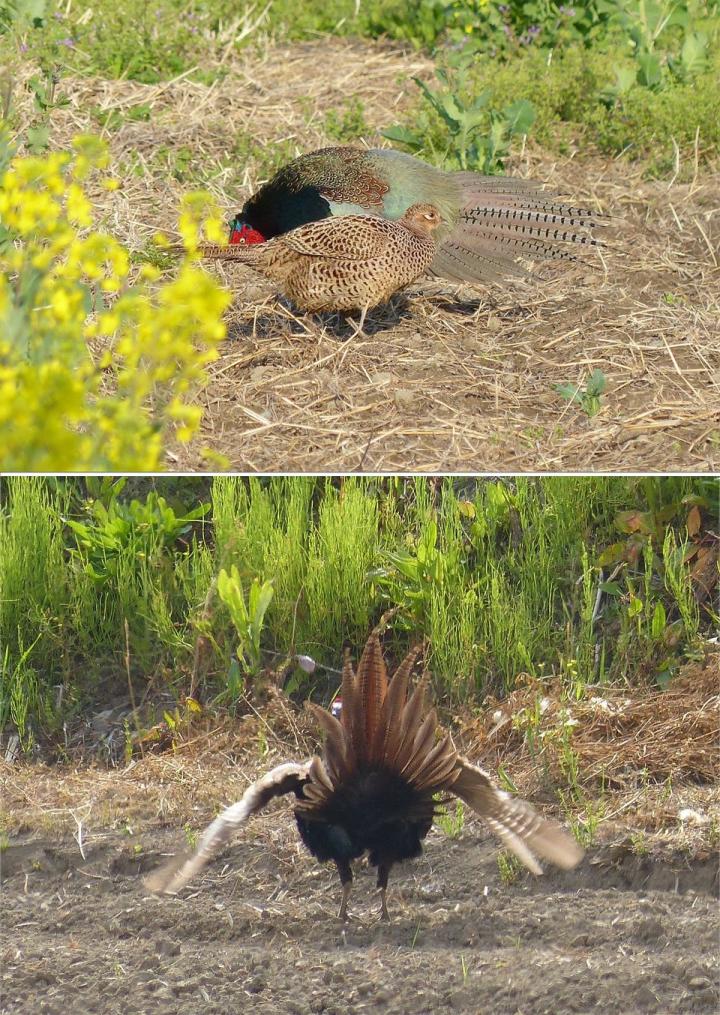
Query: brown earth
{"x": 446, "y": 378}
{"x": 259, "y": 933}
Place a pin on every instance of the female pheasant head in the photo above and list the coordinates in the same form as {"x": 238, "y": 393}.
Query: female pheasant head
{"x": 422, "y": 218}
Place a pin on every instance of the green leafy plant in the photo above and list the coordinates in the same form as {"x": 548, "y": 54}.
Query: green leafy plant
{"x": 421, "y": 23}
{"x": 21, "y": 14}
{"x": 452, "y": 823}
{"x": 476, "y": 135}
{"x": 248, "y": 618}
{"x": 346, "y": 123}
{"x": 408, "y": 575}
{"x": 583, "y": 814}
{"x": 119, "y": 529}
{"x": 20, "y": 694}
{"x": 652, "y": 26}
{"x": 509, "y": 868}
{"x": 589, "y": 397}
{"x": 568, "y": 577}
{"x": 506, "y": 29}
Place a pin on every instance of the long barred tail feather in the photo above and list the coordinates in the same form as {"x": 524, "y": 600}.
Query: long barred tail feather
{"x": 503, "y": 219}
{"x": 250, "y": 253}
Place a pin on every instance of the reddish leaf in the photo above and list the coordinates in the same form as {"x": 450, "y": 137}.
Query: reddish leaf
{"x": 633, "y": 521}
{"x": 693, "y": 521}
{"x": 704, "y": 574}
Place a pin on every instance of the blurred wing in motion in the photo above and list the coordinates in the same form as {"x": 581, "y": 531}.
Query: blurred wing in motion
{"x": 287, "y": 778}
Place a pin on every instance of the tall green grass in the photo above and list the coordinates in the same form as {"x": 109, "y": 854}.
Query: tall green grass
{"x": 503, "y": 577}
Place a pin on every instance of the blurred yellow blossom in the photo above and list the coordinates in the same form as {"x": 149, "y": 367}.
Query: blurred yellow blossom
{"x": 115, "y": 404}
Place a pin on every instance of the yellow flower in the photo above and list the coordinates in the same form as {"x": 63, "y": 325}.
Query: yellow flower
{"x": 83, "y": 385}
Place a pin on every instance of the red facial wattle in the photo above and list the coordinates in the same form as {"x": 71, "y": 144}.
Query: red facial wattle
{"x": 241, "y": 232}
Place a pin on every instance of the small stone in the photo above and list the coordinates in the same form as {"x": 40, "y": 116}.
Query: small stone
{"x": 699, "y": 983}
{"x": 493, "y": 324}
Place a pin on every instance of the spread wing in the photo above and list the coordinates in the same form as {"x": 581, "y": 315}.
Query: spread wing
{"x": 347, "y": 237}
{"x": 285, "y": 778}
{"x": 516, "y": 823}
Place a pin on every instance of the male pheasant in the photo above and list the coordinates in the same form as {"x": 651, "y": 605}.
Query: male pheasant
{"x": 375, "y": 788}
{"x": 348, "y": 263}
{"x": 488, "y": 221}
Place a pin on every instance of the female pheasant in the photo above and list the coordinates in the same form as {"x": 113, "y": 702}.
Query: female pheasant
{"x": 488, "y": 221}
{"x": 375, "y": 788}
{"x": 348, "y": 263}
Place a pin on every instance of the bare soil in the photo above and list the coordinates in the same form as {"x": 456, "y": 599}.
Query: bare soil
{"x": 259, "y": 934}
{"x": 446, "y": 378}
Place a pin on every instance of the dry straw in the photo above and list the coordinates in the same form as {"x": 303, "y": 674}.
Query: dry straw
{"x": 621, "y": 737}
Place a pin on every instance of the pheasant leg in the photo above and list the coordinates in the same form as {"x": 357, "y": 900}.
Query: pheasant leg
{"x": 359, "y": 325}
{"x": 346, "y": 880}
{"x": 382, "y": 883}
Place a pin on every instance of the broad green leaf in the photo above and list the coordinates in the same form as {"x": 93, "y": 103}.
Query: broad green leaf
{"x": 659, "y": 619}
{"x": 694, "y": 53}
{"x": 635, "y": 606}
{"x": 520, "y": 116}
{"x": 650, "y": 72}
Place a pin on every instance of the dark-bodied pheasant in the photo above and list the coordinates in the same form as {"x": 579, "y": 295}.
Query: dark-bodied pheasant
{"x": 374, "y": 790}
{"x": 488, "y": 221}
{"x": 349, "y": 263}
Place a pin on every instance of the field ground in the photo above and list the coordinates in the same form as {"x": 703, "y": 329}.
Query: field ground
{"x": 262, "y": 935}
{"x": 633, "y": 929}
{"x": 446, "y": 378}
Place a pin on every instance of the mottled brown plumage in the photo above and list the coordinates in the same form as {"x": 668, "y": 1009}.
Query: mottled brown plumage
{"x": 350, "y": 263}
{"x": 375, "y": 788}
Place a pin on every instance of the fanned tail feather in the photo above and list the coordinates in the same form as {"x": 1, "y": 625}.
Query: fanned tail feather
{"x": 352, "y": 715}
{"x": 384, "y": 744}
{"x": 372, "y": 681}
{"x": 338, "y": 750}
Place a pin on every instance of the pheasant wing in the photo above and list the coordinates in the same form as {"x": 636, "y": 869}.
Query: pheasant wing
{"x": 346, "y": 238}
{"x": 280, "y": 780}
{"x": 514, "y": 821}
